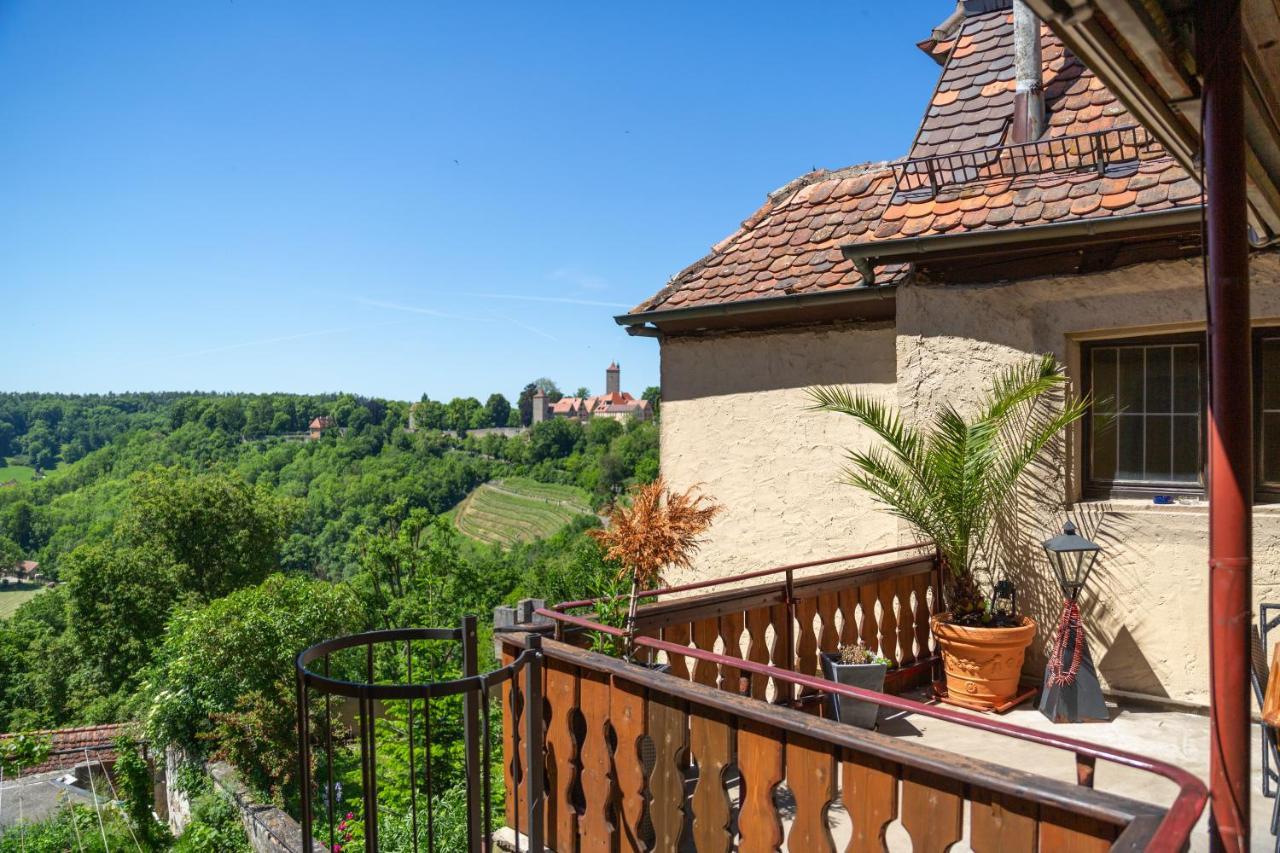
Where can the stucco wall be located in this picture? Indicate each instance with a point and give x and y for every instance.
(1147, 604)
(734, 420)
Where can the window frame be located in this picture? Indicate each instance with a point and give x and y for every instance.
(1262, 492)
(1095, 488)
(1102, 489)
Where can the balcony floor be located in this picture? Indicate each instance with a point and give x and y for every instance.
(1178, 738)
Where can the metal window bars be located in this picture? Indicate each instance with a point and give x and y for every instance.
(922, 177)
(394, 651)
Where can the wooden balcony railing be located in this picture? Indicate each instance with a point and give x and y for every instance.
(623, 743)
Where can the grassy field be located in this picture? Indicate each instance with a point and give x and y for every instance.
(518, 510)
(21, 473)
(12, 595)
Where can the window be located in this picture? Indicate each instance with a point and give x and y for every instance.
(1146, 425)
(1266, 348)
(1145, 432)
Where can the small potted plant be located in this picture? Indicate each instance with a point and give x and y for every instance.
(658, 529)
(951, 479)
(855, 666)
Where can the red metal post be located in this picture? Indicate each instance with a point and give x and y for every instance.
(1230, 426)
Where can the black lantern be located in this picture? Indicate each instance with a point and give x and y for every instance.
(1004, 602)
(1071, 692)
(1072, 557)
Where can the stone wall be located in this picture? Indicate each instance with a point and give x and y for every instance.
(269, 829)
(734, 420)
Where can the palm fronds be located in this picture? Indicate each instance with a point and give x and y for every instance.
(950, 478)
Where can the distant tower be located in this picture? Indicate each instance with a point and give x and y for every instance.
(613, 379)
(539, 406)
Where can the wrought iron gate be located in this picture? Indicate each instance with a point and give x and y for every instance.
(347, 675)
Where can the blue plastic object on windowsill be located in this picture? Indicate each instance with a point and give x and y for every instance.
(1163, 500)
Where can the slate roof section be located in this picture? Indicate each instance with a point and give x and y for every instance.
(791, 245)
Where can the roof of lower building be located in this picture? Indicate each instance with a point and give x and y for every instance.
(68, 747)
(961, 175)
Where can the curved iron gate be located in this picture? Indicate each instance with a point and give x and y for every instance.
(386, 650)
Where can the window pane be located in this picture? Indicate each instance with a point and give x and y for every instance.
(1186, 449)
(1129, 382)
(1186, 378)
(1104, 379)
(1270, 355)
(1159, 439)
(1269, 441)
(1159, 379)
(1103, 445)
(1129, 458)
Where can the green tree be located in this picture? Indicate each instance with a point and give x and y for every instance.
(553, 439)
(583, 391)
(525, 403)
(654, 395)
(119, 601)
(217, 532)
(499, 409)
(225, 676)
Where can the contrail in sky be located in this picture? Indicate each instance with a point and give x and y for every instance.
(276, 340)
(567, 300)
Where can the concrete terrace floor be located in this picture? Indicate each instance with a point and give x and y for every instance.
(1181, 739)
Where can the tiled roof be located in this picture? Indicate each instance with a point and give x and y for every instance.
(792, 244)
(68, 747)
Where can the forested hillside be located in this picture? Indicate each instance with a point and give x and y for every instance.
(199, 541)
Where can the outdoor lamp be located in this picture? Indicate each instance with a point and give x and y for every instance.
(1071, 691)
(1072, 557)
(1004, 599)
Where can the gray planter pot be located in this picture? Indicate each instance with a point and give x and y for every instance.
(868, 676)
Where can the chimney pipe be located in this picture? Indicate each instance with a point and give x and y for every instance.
(1028, 96)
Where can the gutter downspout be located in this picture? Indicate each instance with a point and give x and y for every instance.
(1230, 426)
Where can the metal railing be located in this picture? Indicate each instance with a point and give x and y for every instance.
(474, 689)
(1095, 150)
(1170, 834)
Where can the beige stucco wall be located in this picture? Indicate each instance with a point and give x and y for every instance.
(1147, 604)
(734, 419)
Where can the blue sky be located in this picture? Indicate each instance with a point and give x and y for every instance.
(397, 198)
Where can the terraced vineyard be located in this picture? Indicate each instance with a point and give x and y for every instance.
(518, 510)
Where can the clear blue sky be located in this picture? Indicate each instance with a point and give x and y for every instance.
(397, 198)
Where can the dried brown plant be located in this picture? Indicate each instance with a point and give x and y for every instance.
(660, 529)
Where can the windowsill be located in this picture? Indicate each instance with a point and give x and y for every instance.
(1192, 506)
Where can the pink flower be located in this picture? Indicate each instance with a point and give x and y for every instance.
(350, 816)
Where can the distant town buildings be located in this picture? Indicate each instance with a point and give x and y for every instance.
(318, 426)
(613, 403)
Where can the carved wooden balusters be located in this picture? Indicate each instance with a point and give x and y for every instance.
(561, 694)
(627, 715)
(812, 779)
(760, 763)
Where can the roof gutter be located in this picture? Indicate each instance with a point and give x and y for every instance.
(867, 256)
(636, 324)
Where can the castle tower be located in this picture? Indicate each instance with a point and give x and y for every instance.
(540, 412)
(613, 379)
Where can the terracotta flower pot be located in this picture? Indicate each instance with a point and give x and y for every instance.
(982, 664)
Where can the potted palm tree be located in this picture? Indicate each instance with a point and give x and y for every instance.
(950, 479)
(657, 530)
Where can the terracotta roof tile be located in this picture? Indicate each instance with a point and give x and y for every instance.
(791, 244)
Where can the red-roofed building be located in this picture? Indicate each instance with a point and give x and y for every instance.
(318, 426)
(614, 403)
(1032, 212)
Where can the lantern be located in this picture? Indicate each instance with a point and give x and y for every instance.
(1072, 557)
(1071, 691)
(1004, 601)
